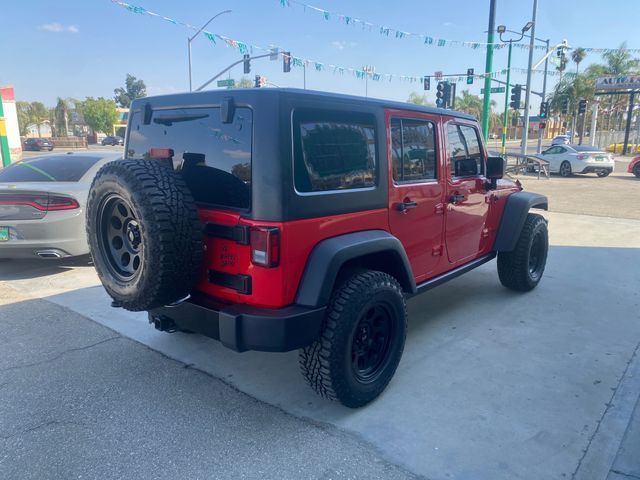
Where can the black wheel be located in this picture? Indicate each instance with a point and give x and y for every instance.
(565, 169)
(362, 340)
(636, 170)
(603, 173)
(522, 268)
(144, 234)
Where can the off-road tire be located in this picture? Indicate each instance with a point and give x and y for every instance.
(327, 364)
(566, 171)
(169, 232)
(515, 268)
(636, 170)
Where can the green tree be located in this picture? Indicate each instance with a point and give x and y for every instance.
(415, 97)
(134, 88)
(39, 114)
(24, 116)
(620, 62)
(578, 55)
(61, 117)
(243, 83)
(100, 114)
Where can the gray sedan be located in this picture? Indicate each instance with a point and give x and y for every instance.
(42, 204)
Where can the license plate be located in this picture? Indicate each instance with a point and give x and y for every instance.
(600, 158)
(4, 234)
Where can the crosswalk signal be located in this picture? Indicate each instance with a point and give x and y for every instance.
(286, 62)
(582, 106)
(440, 102)
(544, 106)
(247, 63)
(427, 83)
(448, 91)
(564, 106)
(516, 93)
(469, 76)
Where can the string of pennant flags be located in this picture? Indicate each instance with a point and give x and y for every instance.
(359, 73)
(426, 39)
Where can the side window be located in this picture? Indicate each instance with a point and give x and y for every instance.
(465, 151)
(560, 150)
(413, 150)
(334, 152)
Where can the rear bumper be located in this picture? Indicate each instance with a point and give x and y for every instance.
(241, 327)
(597, 168)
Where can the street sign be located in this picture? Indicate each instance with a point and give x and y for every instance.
(620, 82)
(230, 82)
(494, 90)
(438, 75)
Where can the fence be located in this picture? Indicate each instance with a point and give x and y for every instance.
(70, 142)
(602, 140)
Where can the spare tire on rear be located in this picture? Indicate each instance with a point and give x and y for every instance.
(144, 233)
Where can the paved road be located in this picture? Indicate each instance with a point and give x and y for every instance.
(493, 384)
(78, 400)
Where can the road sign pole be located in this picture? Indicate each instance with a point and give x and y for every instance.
(486, 106)
(505, 120)
(527, 96)
(544, 97)
(4, 143)
(628, 127)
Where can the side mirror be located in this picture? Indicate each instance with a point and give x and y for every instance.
(227, 110)
(495, 168)
(466, 167)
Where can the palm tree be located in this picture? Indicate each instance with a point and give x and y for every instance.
(469, 103)
(620, 62)
(578, 56)
(418, 99)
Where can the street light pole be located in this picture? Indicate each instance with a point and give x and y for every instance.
(486, 105)
(527, 96)
(544, 97)
(505, 122)
(189, 40)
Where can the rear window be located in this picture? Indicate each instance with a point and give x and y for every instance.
(52, 168)
(214, 157)
(334, 151)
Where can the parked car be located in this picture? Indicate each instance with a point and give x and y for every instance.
(634, 167)
(278, 219)
(561, 140)
(42, 204)
(37, 144)
(569, 159)
(113, 140)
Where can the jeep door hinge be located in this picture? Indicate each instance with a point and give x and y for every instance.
(439, 210)
(436, 251)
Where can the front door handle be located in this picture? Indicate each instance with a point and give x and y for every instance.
(404, 206)
(457, 198)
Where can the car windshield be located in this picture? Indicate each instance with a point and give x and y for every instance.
(52, 168)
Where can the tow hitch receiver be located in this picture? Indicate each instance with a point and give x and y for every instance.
(162, 323)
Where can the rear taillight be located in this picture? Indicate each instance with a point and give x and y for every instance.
(583, 156)
(42, 202)
(265, 246)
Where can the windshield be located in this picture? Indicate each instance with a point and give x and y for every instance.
(214, 157)
(52, 168)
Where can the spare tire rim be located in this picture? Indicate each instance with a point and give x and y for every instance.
(371, 342)
(120, 237)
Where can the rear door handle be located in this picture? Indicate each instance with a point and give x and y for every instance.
(404, 206)
(456, 198)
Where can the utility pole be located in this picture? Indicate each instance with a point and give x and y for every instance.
(189, 40)
(527, 96)
(4, 142)
(594, 122)
(486, 105)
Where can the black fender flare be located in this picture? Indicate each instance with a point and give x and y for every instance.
(328, 256)
(513, 218)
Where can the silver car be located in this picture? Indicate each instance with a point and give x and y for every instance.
(42, 204)
(569, 159)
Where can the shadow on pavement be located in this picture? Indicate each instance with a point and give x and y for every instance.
(27, 269)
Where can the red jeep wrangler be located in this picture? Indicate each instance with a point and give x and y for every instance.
(278, 219)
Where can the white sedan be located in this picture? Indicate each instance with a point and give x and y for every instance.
(569, 159)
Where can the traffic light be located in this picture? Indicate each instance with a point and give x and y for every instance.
(582, 106)
(516, 93)
(564, 106)
(247, 63)
(544, 106)
(427, 83)
(542, 125)
(286, 62)
(469, 76)
(440, 102)
(258, 82)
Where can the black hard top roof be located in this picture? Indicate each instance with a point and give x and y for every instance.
(198, 97)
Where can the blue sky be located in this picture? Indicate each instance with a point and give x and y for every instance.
(79, 48)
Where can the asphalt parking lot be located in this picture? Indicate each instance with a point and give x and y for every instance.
(492, 385)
